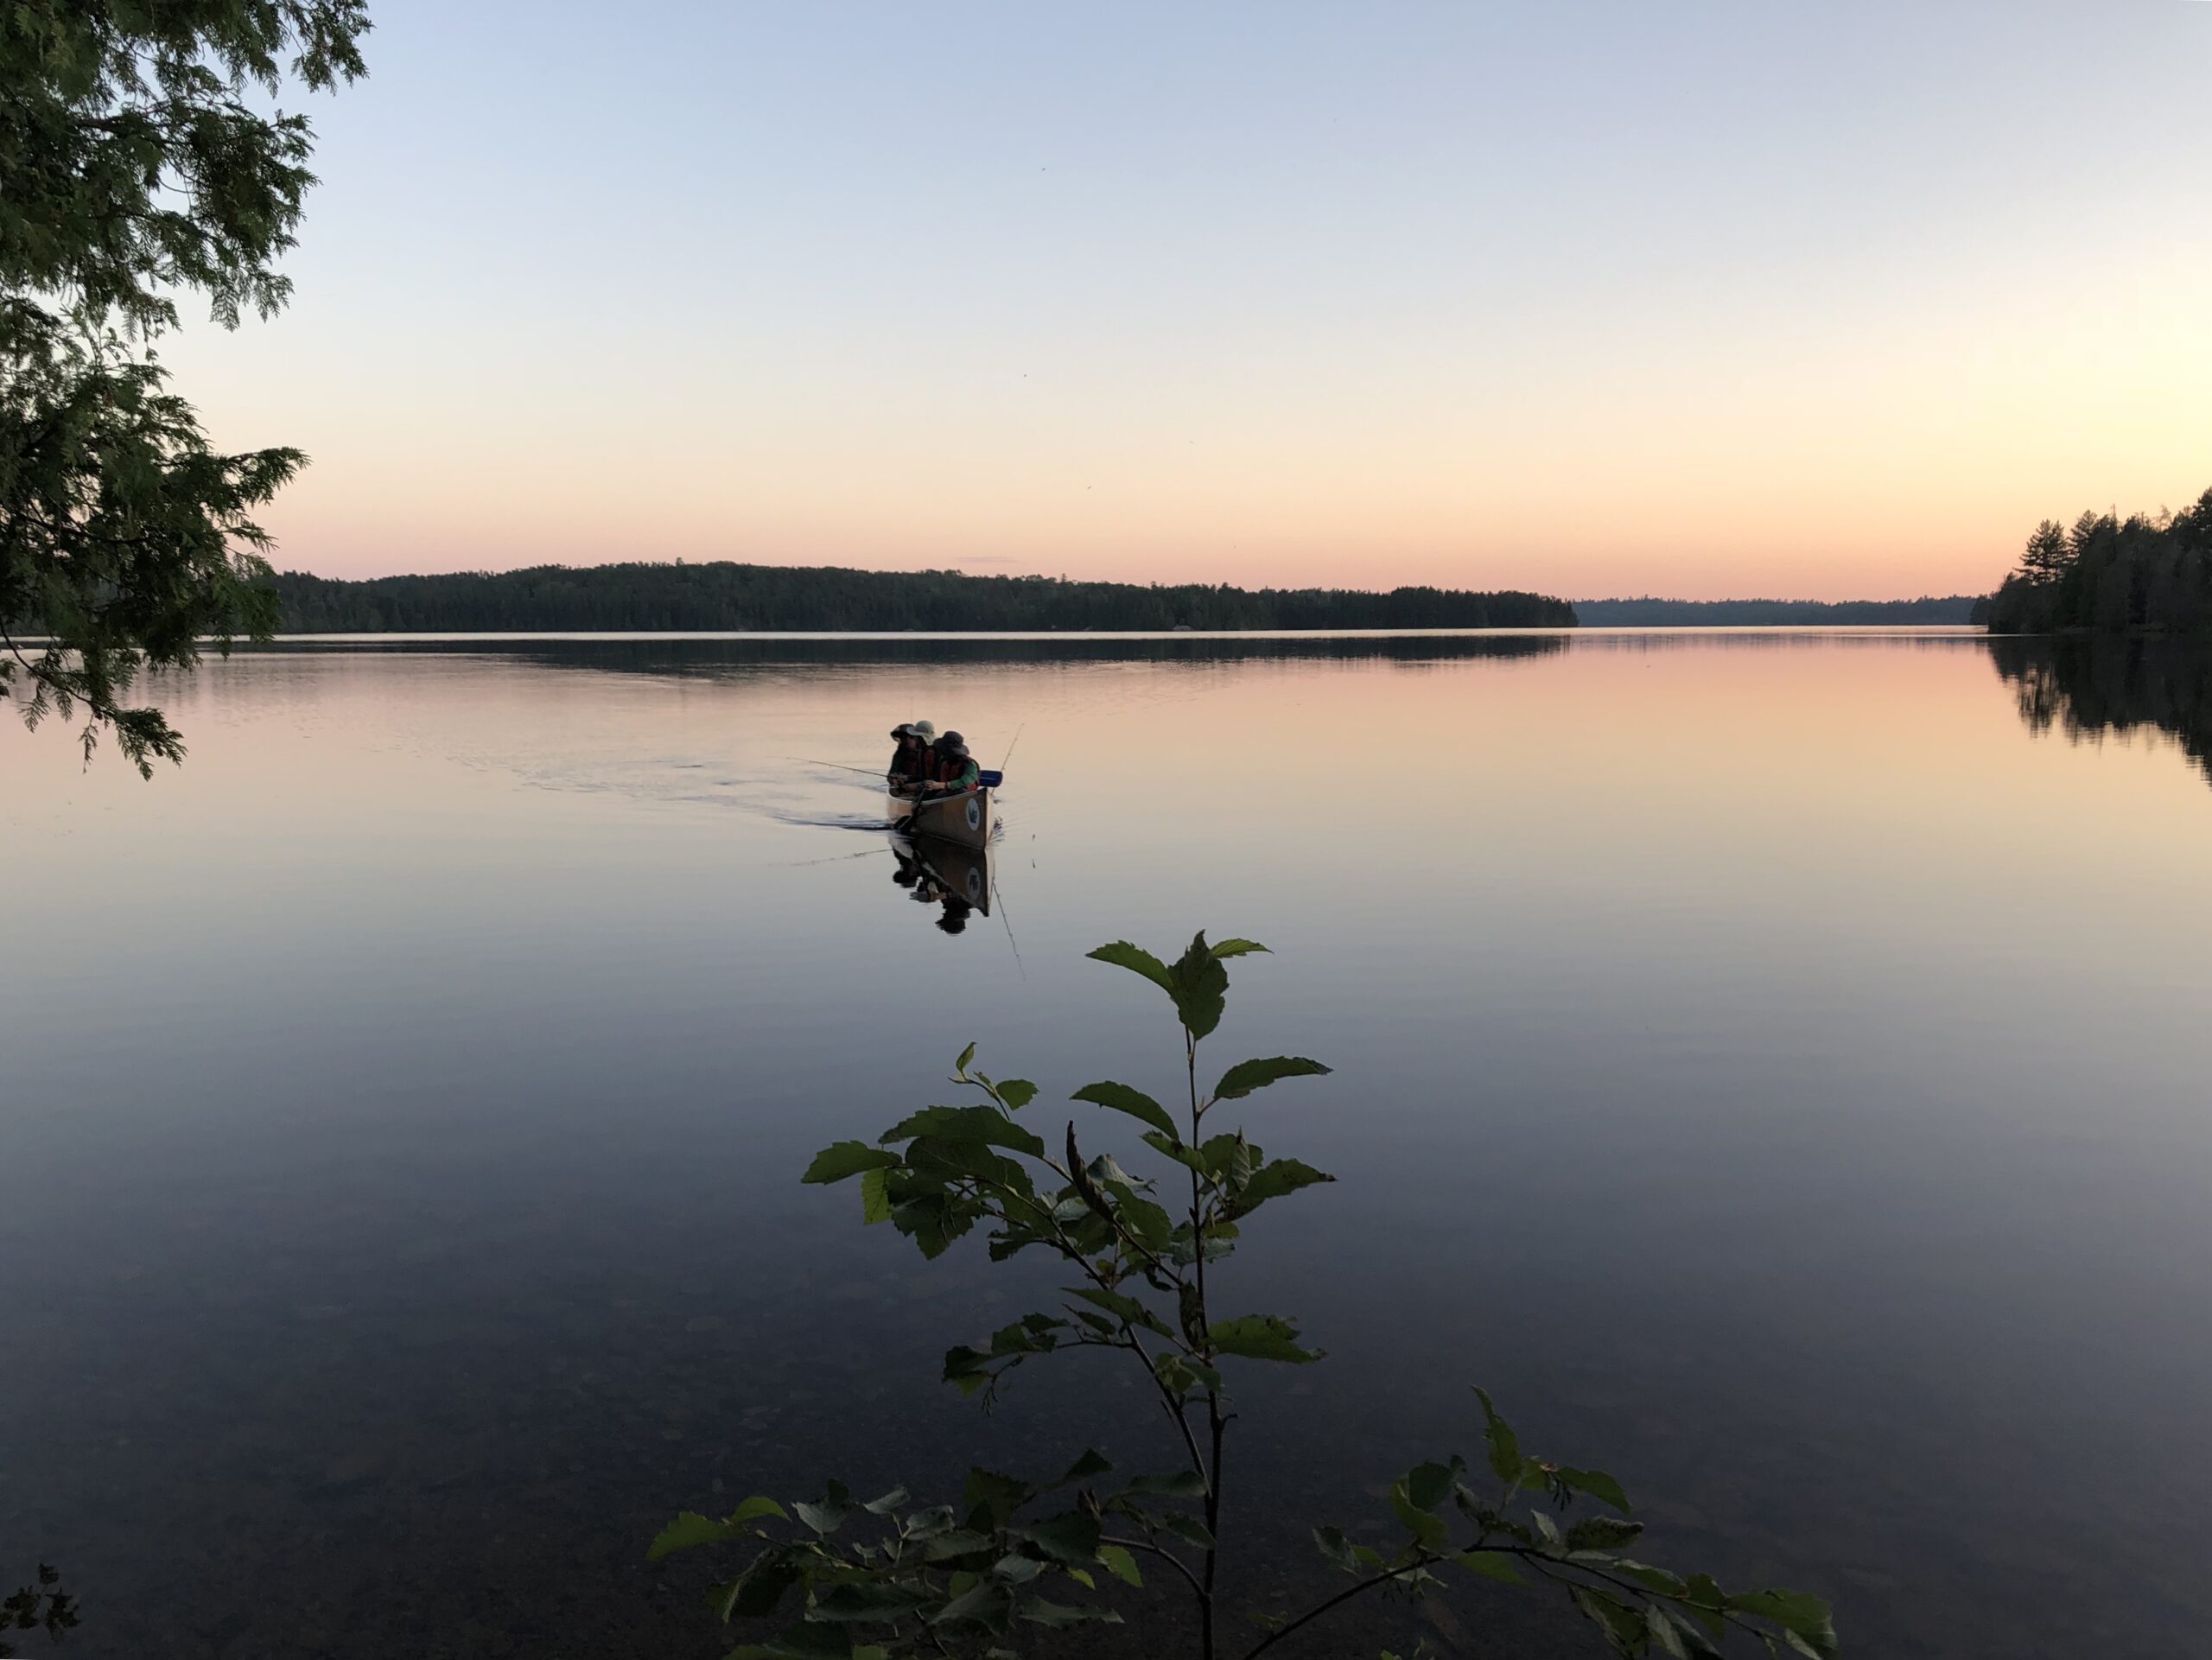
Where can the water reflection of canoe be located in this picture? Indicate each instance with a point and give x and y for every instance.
(945, 873)
(963, 820)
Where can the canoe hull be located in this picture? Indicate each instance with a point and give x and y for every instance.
(965, 820)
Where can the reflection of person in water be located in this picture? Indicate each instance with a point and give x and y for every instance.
(925, 886)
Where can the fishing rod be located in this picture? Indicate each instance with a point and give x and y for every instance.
(866, 772)
(1006, 920)
(1009, 749)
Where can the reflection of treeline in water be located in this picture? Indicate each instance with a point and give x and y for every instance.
(725, 597)
(2086, 688)
(2111, 575)
(1772, 614)
(647, 655)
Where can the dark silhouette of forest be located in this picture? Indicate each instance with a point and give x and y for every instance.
(2088, 686)
(1770, 614)
(783, 598)
(2111, 575)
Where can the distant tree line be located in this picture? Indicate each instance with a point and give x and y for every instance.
(2111, 575)
(779, 598)
(1770, 613)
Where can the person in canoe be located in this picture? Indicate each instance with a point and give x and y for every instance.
(914, 761)
(954, 771)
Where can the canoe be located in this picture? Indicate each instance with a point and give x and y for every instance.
(963, 820)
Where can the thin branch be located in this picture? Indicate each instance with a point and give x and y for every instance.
(1163, 1554)
(1315, 1613)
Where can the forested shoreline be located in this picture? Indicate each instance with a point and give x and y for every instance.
(744, 598)
(1649, 612)
(2110, 576)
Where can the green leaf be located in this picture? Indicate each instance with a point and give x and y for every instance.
(1652, 1579)
(1184, 1376)
(1247, 1076)
(875, 1197)
(1601, 1533)
(1492, 1566)
(1122, 955)
(1671, 1638)
(687, 1530)
(1229, 948)
(960, 1542)
(1148, 1224)
(1597, 1485)
(999, 1496)
(928, 1525)
(1135, 1103)
(1121, 1564)
(888, 1503)
(968, 1054)
(1624, 1626)
(1428, 1486)
(827, 1516)
(1174, 1147)
(1092, 1463)
(1175, 1484)
(1127, 1307)
(1805, 1618)
(863, 1601)
(1017, 1093)
(1276, 1178)
(1201, 987)
(965, 1369)
(1504, 1447)
(1070, 1538)
(1057, 1616)
(1336, 1548)
(1259, 1337)
(984, 1600)
(692, 1529)
(844, 1159)
(986, 1125)
(1031, 1335)
(756, 1592)
(1427, 1528)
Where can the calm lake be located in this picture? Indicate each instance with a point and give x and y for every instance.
(1771, 1065)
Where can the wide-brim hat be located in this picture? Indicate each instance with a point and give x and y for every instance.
(923, 728)
(953, 742)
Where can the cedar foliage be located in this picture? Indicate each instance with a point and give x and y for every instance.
(133, 168)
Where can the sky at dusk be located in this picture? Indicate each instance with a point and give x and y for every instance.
(1693, 297)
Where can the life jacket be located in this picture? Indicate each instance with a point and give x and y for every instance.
(913, 758)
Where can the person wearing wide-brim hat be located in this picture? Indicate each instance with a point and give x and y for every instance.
(913, 761)
(955, 770)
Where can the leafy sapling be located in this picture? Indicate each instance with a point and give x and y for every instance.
(868, 1582)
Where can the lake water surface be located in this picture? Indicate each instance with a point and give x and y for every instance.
(1773, 1067)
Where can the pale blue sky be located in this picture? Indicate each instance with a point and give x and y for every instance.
(1680, 295)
